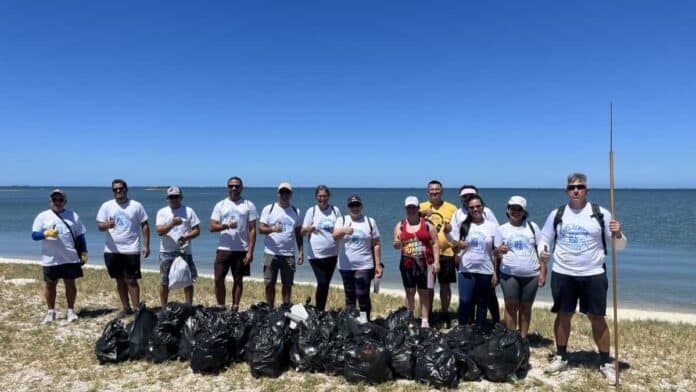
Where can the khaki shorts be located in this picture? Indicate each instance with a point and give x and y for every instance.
(274, 263)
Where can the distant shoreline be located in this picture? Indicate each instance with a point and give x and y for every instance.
(4, 188)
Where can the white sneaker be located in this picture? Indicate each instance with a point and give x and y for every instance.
(49, 318)
(609, 372)
(71, 316)
(557, 365)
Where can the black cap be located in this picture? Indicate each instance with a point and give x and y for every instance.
(354, 198)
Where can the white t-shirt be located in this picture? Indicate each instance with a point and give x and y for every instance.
(478, 255)
(355, 250)
(321, 242)
(244, 212)
(189, 220)
(460, 216)
(521, 258)
(282, 243)
(578, 250)
(60, 250)
(124, 237)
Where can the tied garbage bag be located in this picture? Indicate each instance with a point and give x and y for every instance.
(188, 338)
(399, 318)
(437, 366)
(208, 340)
(502, 354)
(164, 341)
(179, 274)
(113, 344)
(465, 338)
(210, 352)
(267, 352)
(139, 332)
(368, 362)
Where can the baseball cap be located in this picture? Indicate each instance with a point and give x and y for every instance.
(518, 201)
(467, 191)
(411, 201)
(285, 185)
(173, 191)
(57, 191)
(354, 198)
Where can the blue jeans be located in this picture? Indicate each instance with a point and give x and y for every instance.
(474, 290)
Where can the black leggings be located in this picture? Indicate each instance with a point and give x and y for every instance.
(323, 271)
(356, 285)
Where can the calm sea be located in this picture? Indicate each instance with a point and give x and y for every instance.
(656, 271)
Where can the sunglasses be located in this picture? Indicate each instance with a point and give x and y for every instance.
(234, 186)
(173, 197)
(58, 200)
(354, 205)
(476, 207)
(117, 190)
(580, 187)
(515, 208)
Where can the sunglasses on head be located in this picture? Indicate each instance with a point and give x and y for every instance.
(578, 187)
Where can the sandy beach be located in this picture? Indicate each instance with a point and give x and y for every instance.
(623, 313)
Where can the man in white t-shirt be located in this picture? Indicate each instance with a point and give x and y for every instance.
(281, 224)
(121, 220)
(63, 251)
(234, 217)
(176, 225)
(581, 232)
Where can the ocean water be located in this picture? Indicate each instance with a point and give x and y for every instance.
(656, 271)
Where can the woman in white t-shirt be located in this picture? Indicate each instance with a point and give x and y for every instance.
(359, 255)
(477, 273)
(522, 271)
(322, 252)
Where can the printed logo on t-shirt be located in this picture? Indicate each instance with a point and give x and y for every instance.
(477, 243)
(326, 223)
(517, 242)
(121, 222)
(358, 236)
(287, 222)
(574, 237)
(413, 247)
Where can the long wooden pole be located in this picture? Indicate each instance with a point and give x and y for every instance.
(613, 242)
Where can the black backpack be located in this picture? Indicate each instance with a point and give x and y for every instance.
(596, 213)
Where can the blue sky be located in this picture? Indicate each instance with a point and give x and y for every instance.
(359, 93)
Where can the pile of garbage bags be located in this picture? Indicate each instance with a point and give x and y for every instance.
(309, 340)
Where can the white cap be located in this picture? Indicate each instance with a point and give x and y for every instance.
(173, 191)
(411, 201)
(467, 191)
(518, 201)
(285, 185)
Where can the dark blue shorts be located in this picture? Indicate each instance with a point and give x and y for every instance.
(591, 291)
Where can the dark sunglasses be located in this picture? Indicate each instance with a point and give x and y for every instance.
(580, 187)
(476, 207)
(354, 205)
(234, 186)
(284, 191)
(58, 200)
(116, 190)
(173, 197)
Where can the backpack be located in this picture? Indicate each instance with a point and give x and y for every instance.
(596, 213)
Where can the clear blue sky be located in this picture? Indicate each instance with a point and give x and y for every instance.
(358, 93)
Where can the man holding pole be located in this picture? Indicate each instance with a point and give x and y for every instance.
(580, 231)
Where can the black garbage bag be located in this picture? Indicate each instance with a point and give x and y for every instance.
(113, 344)
(465, 338)
(502, 354)
(312, 341)
(210, 352)
(267, 352)
(367, 361)
(399, 318)
(437, 366)
(467, 368)
(139, 332)
(402, 345)
(188, 338)
(164, 341)
(428, 337)
(239, 329)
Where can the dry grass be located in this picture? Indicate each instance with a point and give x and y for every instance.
(655, 355)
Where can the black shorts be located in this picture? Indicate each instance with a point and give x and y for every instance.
(448, 270)
(590, 290)
(123, 266)
(62, 271)
(415, 276)
(226, 260)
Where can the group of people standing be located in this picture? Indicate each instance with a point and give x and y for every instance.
(438, 241)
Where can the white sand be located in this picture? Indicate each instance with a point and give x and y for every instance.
(623, 313)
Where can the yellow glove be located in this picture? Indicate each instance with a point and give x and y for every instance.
(84, 257)
(51, 233)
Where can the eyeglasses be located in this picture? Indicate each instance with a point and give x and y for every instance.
(476, 207)
(234, 186)
(579, 187)
(117, 190)
(58, 200)
(354, 205)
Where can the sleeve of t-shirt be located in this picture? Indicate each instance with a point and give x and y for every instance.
(375, 229)
(78, 227)
(217, 213)
(264, 215)
(38, 224)
(194, 218)
(453, 235)
(160, 217)
(298, 221)
(548, 232)
(143, 214)
(102, 214)
(253, 214)
(498, 237)
(308, 217)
